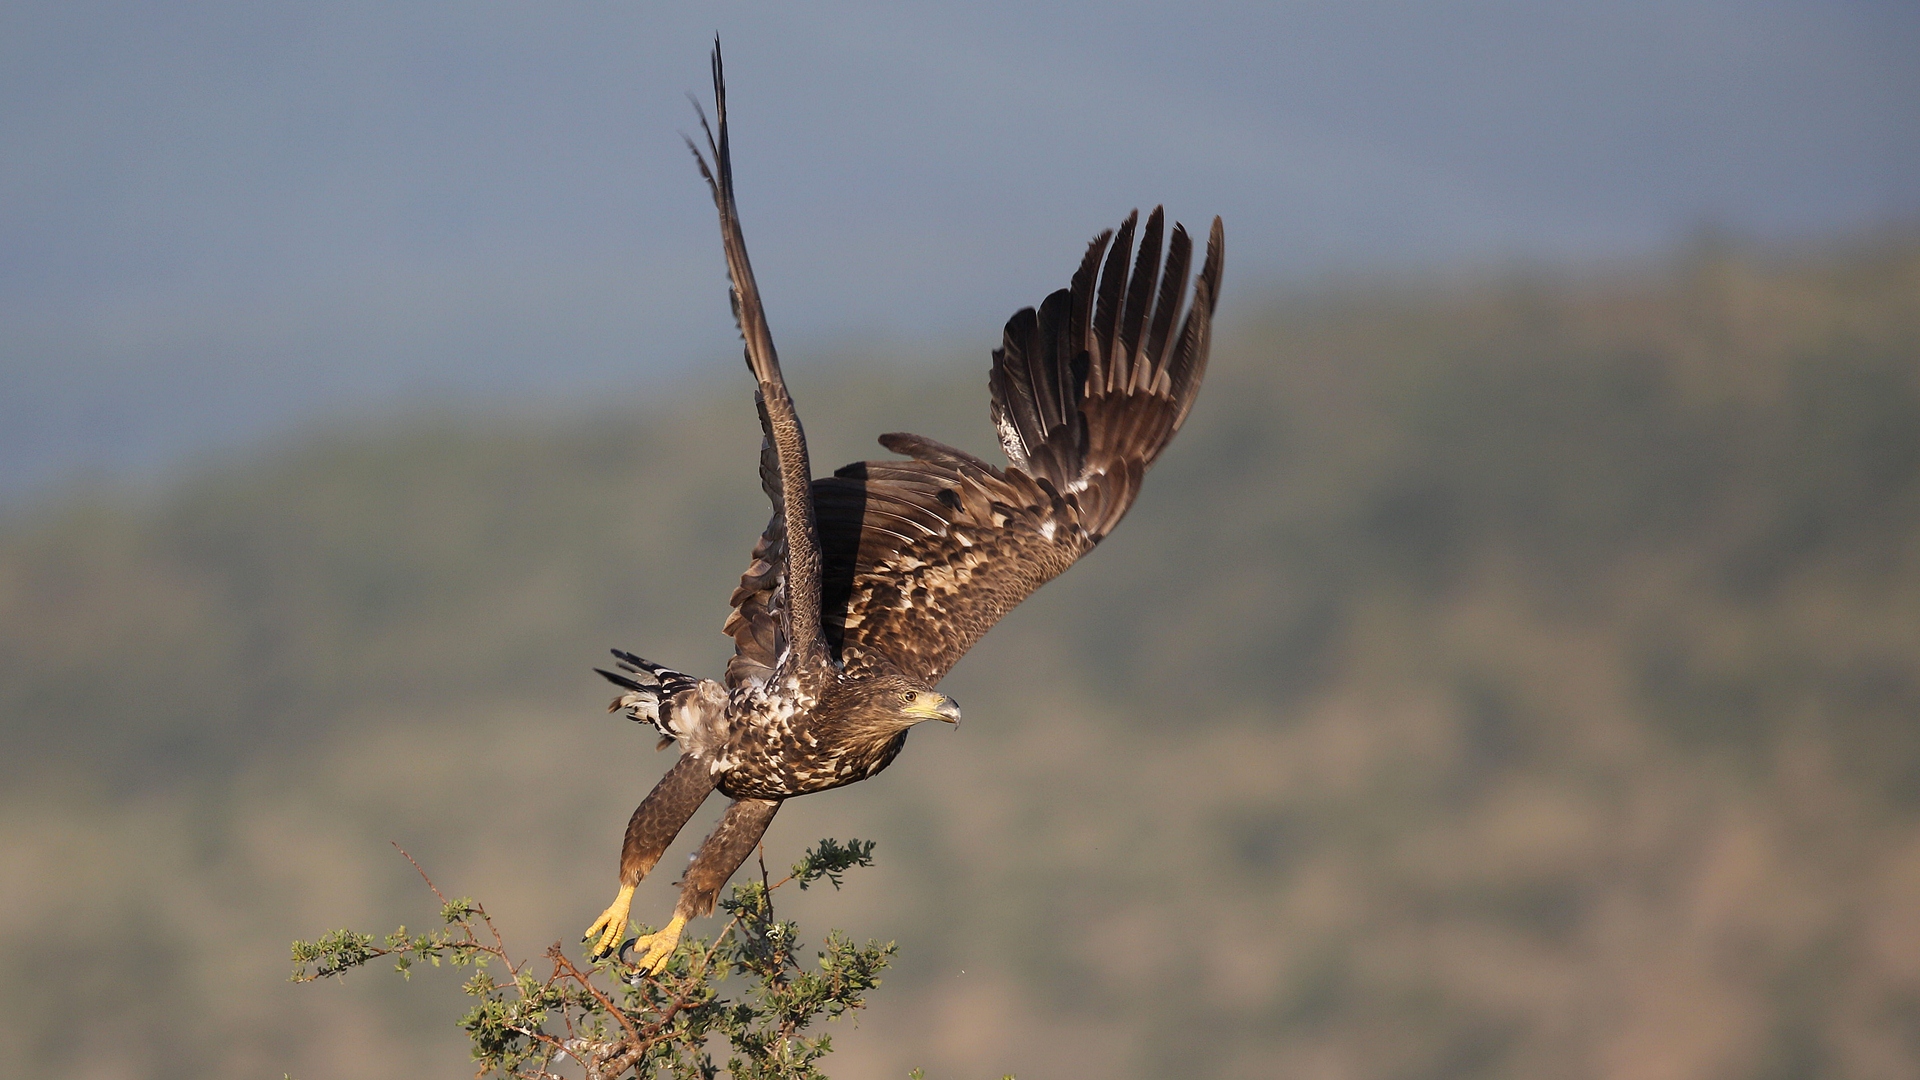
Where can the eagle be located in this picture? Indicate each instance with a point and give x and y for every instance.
(869, 585)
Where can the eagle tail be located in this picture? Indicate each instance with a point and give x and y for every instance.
(657, 695)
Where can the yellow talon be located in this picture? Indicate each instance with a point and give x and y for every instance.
(611, 925)
(656, 949)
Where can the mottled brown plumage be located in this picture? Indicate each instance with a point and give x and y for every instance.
(869, 585)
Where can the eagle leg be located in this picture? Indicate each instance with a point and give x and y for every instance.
(657, 820)
(731, 841)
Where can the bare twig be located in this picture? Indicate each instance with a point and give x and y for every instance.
(560, 961)
(501, 946)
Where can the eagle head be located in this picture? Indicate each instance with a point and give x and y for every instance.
(894, 702)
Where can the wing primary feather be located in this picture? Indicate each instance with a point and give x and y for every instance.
(1016, 368)
(1146, 270)
(1190, 363)
(1084, 281)
(1052, 366)
(1173, 284)
(1005, 425)
(1036, 368)
(1107, 312)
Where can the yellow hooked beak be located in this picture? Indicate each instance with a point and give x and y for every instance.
(935, 707)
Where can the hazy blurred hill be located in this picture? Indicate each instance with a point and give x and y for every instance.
(1514, 678)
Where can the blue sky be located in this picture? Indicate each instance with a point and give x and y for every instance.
(221, 220)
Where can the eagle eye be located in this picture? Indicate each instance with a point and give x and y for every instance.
(907, 697)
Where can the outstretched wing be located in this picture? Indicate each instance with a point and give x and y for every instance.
(921, 557)
(787, 630)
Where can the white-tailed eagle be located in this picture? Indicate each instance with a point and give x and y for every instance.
(868, 585)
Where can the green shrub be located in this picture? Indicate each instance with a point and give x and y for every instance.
(609, 1017)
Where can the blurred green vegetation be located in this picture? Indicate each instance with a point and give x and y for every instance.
(1509, 677)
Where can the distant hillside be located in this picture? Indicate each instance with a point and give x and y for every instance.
(1515, 679)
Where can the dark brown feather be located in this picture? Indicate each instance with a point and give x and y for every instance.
(1146, 271)
(1187, 369)
(724, 849)
(1106, 315)
(1081, 289)
(921, 557)
(660, 817)
(1172, 284)
(796, 605)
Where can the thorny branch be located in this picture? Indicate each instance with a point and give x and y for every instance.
(649, 1026)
